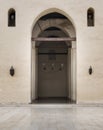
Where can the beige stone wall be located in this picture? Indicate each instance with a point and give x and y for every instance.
(15, 47)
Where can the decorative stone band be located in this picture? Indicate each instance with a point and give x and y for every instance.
(54, 39)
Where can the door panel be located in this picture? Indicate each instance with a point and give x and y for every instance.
(52, 76)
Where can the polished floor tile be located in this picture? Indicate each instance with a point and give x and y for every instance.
(51, 118)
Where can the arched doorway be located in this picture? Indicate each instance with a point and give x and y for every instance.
(53, 59)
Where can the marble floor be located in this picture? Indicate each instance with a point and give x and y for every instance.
(51, 117)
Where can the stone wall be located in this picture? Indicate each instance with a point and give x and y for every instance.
(15, 47)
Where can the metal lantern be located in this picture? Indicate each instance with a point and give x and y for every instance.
(90, 70)
(12, 71)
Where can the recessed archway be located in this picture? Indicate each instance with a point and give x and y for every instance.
(53, 62)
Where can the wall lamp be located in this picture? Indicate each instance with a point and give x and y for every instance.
(90, 70)
(12, 71)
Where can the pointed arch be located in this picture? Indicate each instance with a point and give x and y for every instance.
(55, 18)
(51, 10)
